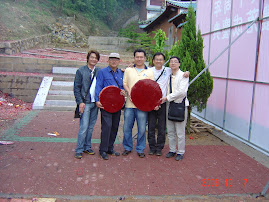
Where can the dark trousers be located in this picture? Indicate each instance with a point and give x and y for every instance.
(157, 117)
(109, 129)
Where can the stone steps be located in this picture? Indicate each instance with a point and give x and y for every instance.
(57, 91)
(60, 95)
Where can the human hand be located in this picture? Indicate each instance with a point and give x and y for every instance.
(81, 107)
(122, 92)
(186, 74)
(99, 105)
(163, 100)
(157, 107)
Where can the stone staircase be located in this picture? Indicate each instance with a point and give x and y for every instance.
(56, 92)
(61, 96)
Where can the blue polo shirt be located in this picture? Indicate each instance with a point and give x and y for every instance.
(105, 78)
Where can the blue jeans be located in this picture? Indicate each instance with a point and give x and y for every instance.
(86, 124)
(130, 114)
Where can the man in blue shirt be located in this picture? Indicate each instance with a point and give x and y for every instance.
(108, 76)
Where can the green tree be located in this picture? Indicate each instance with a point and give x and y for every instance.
(190, 52)
(160, 39)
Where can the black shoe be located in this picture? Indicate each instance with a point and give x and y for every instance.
(113, 153)
(104, 155)
(78, 155)
(89, 151)
(159, 153)
(141, 155)
(151, 152)
(170, 154)
(179, 157)
(126, 152)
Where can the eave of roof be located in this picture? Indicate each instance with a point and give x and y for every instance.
(181, 24)
(182, 4)
(177, 16)
(169, 3)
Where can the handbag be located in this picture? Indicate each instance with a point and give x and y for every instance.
(123, 107)
(77, 114)
(176, 111)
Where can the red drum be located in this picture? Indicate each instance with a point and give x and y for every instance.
(146, 94)
(111, 99)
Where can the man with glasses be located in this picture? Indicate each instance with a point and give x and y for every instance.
(84, 91)
(176, 130)
(158, 115)
(109, 76)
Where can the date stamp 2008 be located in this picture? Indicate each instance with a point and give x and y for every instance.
(216, 182)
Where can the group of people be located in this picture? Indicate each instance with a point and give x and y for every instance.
(89, 82)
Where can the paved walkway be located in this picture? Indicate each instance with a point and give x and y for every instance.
(38, 165)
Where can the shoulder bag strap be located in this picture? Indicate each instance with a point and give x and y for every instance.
(160, 75)
(171, 83)
(115, 79)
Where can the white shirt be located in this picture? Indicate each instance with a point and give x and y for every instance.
(179, 89)
(92, 89)
(163, 80)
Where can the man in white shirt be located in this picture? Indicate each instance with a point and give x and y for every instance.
(158, 116)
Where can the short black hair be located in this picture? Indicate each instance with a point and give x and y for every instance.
(140, 51)
(158, 53)
(175, 57)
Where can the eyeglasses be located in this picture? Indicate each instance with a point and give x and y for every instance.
(173, 62)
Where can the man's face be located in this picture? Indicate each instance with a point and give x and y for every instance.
(174, 64)
(113, 62)
(92, 59)
(158, 61)
(139, 58)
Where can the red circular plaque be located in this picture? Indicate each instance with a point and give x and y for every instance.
(146, 94)
(111, 99)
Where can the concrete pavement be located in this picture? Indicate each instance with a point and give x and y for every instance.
(42, 166)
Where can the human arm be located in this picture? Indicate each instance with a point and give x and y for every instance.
(125, 84)
(99, 85)
(77, 91)
(180, 89)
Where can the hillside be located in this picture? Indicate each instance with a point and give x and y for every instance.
(21, 19)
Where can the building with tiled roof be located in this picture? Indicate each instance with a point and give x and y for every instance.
(170, 20)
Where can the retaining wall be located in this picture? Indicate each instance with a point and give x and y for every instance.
(26, 87)
(21, 87)
(108, 43)
(13, 47)
(34, 65)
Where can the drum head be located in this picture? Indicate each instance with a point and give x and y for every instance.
(111, 99)
(146, 94)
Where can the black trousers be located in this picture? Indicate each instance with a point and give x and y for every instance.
(157, 118)
(109, 129)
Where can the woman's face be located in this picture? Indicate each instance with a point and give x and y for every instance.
(174, 64)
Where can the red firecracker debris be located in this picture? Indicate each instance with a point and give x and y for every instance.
(11, 108)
